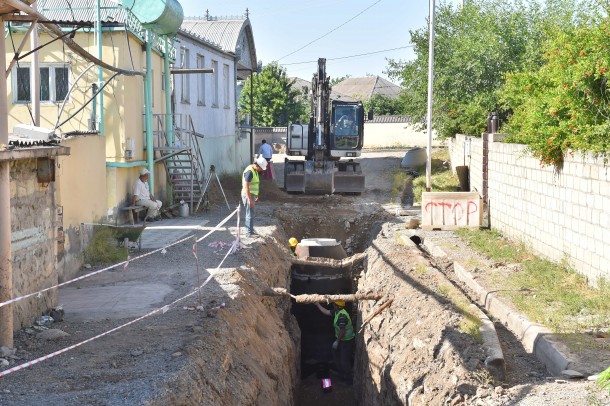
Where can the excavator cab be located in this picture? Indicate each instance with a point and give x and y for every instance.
(346, 129)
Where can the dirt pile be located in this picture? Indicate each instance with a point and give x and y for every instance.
(413, 352)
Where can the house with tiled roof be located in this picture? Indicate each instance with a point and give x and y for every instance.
(363, 88)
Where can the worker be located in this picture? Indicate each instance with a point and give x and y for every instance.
(249, 191)
(292, 244)
(141, 196)
(266, 151)
(344, 344)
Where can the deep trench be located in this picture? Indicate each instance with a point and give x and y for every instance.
(353, 234)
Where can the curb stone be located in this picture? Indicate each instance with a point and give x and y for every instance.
(536, 338)
(494, 362)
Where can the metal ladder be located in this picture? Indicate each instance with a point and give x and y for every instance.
(184, 164)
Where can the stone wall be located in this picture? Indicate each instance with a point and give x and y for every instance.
(561, 215)
(33, 243)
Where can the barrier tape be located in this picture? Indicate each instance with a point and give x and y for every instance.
(163, 310)
(124, 263)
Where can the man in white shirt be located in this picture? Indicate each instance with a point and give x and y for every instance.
(266, 151)
(141, 196)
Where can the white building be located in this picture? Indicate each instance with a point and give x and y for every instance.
(210, 99)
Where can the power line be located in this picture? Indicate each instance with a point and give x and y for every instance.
(351, 56)
(329, 32)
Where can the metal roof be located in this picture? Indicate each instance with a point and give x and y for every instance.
(364, 87)
(224, 33)
(390, 120)
(81, 10)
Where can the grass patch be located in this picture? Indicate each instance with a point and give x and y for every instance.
(103, 248)
(442, 179)
(547, 292)
(470, 323)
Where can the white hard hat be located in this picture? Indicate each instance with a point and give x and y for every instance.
(262, 162)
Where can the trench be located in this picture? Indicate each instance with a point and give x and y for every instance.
(345, 233)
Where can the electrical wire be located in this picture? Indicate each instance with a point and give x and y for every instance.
(90, 100)
(351, 56)
(329, 32)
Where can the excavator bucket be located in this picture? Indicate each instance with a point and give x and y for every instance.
(348, 178)
(307, 177)
(319, 178)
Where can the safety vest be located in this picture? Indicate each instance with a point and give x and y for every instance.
(253, 184)
(349, 328)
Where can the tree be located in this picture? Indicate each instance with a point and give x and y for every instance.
(384, 105)
(564, 105)
(475, 47)
(276, 101)
(334, 81)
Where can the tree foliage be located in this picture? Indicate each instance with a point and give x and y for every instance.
(475, 47)
(564, 105)
(383, 105)
(275, 100)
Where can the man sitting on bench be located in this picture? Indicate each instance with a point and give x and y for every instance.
(142, 196)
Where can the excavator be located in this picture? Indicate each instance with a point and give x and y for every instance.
(335, 131)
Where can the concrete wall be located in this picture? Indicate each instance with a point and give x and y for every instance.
(395, 135)
(563, 215)
(79, 199)
(33, 242)
(228, 154)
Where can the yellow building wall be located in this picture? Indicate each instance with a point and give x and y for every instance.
(123, 104)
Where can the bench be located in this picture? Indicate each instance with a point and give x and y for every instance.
(134, 212)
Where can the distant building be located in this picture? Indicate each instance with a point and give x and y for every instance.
(365, 87)
(304, 86)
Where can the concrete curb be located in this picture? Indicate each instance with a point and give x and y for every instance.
(536, 338)
(494, 362)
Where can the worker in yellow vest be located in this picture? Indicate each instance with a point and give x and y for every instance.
(344, 344)
(249, 191)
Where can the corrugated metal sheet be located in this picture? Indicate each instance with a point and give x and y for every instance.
(81, 10)
(390, 120)
(365, 87)
(224, 33)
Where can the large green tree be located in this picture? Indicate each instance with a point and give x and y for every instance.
(384, 105)
(275, 100)
(475, 47)
(564, 105)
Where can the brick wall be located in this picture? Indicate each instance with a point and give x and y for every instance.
(561, 216)
(33, 241)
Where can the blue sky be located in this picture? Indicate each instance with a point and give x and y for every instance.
(281, 27)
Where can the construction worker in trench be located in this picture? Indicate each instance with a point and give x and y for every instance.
(344, 344)
(292, 244)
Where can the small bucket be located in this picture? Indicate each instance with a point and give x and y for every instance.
(184, 210)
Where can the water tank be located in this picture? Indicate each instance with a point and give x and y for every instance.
(160, 16)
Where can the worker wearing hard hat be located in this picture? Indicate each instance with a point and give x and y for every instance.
(249, 191)
(292, 244)
(344, 344)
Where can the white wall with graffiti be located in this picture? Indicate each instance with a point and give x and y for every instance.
(560, 215)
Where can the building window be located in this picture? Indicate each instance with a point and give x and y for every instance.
(215, 84)
(200, 81)
(54, 83)
(186, 86)
(226, 82)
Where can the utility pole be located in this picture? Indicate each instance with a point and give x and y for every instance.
(35, 72)
(430, 82)
(6, 271)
